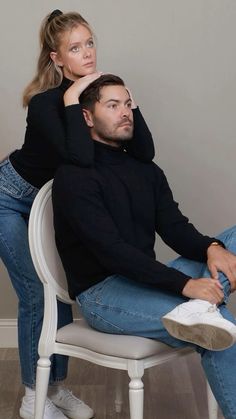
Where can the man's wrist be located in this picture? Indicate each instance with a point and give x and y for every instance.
(216, 243)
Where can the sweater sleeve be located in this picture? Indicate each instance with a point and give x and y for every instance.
(66, 130)
(91, 222)
(62, 127)
(175, 229)
(141, 146)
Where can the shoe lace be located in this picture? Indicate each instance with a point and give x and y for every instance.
(213, 308)
(50, 406)
(69, 398)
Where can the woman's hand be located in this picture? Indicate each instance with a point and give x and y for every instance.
(71, 96)
(133, 104)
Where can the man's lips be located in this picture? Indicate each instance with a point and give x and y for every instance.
(125, 124)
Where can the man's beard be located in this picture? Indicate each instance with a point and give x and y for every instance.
(115, 135)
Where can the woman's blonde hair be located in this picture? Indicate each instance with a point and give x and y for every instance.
(48, 74)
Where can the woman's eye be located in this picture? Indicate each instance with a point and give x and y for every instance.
(75, 49)
(90, 44)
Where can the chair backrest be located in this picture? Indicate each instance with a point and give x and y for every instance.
(42, 244)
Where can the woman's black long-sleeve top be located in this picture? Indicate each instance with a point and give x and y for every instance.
(56, 134)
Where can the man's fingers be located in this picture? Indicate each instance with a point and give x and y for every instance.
(213, 271)
(217, 283)
(231, 275)
(204, 288)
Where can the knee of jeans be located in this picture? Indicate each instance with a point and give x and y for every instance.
(28, 304)
(227, 236)
(27, 310)
(31, 296)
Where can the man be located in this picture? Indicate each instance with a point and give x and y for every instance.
(105, 222)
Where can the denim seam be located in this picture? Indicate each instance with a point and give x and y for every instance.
(118, 309)
(229, 405)
(27, 285)
(98, 316)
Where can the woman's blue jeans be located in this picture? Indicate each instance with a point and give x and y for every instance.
(16, 198)
(122, 306)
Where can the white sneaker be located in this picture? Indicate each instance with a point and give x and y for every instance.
(70, 405)
(50, 412)
(200, 322)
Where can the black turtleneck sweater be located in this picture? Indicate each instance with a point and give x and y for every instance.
(106, 218)
(56, 134)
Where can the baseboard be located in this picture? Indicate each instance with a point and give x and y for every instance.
(8, 333)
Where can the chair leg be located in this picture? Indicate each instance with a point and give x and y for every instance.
(42, 379)
(119, 398)
(212, 403)
(136, 389)
(136, 395)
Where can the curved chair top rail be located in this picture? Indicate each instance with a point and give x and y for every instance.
(42, 244)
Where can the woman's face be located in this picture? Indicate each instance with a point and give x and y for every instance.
(77, 53)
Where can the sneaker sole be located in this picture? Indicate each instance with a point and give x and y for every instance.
(209, 337)
(25, 415)
(74, 416)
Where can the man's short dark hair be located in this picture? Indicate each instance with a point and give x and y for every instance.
(91, 94)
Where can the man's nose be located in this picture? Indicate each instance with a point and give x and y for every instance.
(125, 112)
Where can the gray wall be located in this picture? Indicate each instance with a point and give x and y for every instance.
(178, 57)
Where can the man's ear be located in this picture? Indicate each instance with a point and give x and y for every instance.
(56, 58)
(88, 117)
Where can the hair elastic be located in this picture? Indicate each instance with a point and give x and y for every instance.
(54, 14)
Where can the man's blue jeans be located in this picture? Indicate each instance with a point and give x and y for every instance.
(16, 198)
(122, 306)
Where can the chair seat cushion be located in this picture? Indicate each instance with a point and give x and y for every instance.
(79, 333)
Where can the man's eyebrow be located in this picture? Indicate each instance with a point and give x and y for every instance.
(112, 100)
(117, 100)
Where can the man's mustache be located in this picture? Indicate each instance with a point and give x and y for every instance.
(126, 121)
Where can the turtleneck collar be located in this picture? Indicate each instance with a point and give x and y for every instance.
(66, 83)
(109, 154)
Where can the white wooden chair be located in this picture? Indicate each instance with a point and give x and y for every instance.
(133, 354)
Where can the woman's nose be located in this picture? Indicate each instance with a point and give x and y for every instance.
(87, 52)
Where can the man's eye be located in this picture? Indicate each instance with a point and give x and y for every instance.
(113, 106)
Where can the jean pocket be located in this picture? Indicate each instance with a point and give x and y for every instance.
(12, 184)
(14, 190)
(96, 292)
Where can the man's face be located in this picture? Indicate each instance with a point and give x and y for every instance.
(112, 118)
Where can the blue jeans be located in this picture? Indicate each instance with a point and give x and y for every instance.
(122, 306)
(16, 198)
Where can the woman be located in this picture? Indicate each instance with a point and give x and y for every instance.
(66, 66)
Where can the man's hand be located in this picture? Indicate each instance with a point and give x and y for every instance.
(221, 260)
(205, 289)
